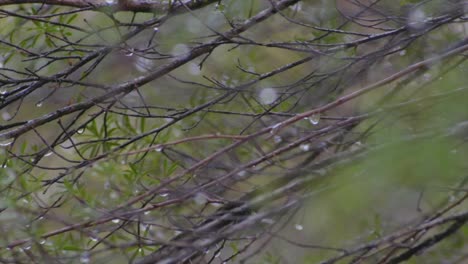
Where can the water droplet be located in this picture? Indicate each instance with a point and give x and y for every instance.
(147, 212)
(242, 173)
(3, 91)
(110, 1)
(277, 139)
(159, 148)
(6, 143)
(194, 69)
(274, 128)
(39, 104)
(427, 76)
(268, 95)
(402, 53)
(179, 49)
(452, 198)
(42, 241)
(156, 29)
(416, 18)
(27, 246)
(305, 147)
(164, 194)
(200, 199)
(80, 131)
(217, 255)
(114, 195)
(129, 52)
(85, 257)
(6, 116)
(94, 239)
(268, 221)
(48, 154)
(314, 119)
(143, 64)
(298, 227)
(115, 220)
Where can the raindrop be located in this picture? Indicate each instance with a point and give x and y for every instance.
(402, 53)
(159, 148)
(3, 91)
(39, 104)
(416, 18)
(129, 53)
(114, 195)
(275, 128)
(242, 173)
(217, 255)
(6, 116)
(156, 29)
(94, 239)
(164, 194)
(115, 220)
(143, 64)
(110, 1)
(85, 257)
(199, 198)
(42, 241)
(268, 221)
(80, 131)
(297, 6)
(6, 143)
(179, 49)
(427, 76)
(268, 95)
(194, 69)
(305, 147)
(147, 213)
(277, 139)
(27, 246)
(48, 154)
(298, 227)
(314, 119)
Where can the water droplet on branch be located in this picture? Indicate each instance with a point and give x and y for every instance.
(314, 119)
(305, 147)
(268, 95)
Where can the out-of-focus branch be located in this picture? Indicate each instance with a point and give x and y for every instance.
(134, 6)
